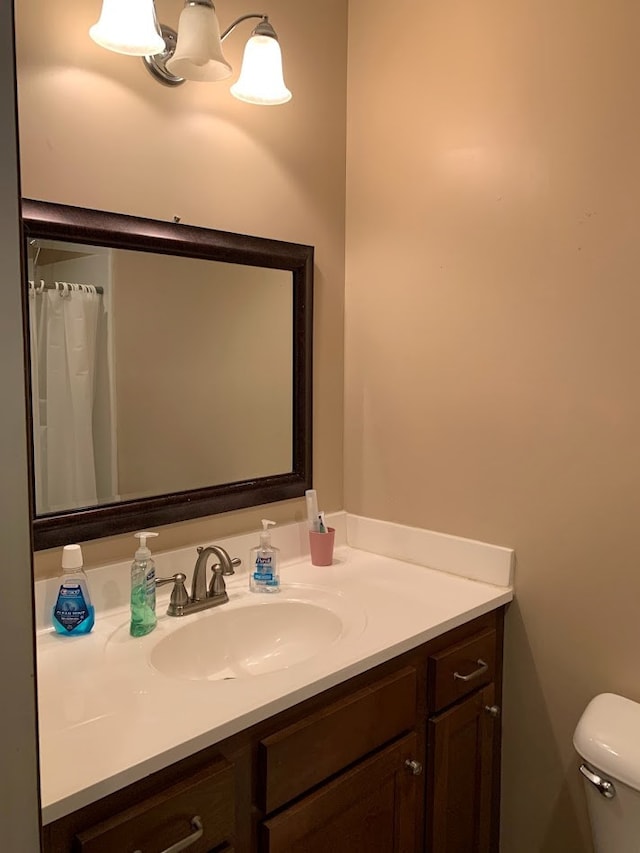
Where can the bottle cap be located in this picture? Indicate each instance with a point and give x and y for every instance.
(72, 557)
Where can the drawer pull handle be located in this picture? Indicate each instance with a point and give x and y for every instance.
(414, 766)
(196, 835)
(482, 668)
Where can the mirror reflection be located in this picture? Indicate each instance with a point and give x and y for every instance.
(153, 374)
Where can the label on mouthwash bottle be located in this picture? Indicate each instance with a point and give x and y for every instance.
(70, 608)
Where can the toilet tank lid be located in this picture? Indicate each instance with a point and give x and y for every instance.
(608, 737)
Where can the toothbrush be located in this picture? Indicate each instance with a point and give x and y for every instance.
(322, 527)
(312, 509)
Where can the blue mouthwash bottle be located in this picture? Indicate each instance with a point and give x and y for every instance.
(73, 612)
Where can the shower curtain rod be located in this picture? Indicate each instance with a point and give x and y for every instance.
(32, 286)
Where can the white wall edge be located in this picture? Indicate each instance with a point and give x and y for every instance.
(469, 558)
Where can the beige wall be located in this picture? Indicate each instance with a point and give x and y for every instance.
(97, 131)
(202, 371)
(492, 356)
(492, 365)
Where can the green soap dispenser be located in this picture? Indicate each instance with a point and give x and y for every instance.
(263, 563)
(143, 589)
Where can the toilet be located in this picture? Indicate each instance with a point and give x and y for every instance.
(607, 738)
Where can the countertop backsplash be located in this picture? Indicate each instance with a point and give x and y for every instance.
(109, 585)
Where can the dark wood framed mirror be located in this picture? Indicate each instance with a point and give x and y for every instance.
(170, 371)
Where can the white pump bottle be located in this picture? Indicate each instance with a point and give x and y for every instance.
(263, 563)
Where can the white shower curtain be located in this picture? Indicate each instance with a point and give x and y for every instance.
(64, 326)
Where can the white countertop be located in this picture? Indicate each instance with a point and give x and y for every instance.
(108, 718)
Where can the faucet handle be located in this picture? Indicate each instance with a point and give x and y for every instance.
(179, 594)
(234, 565)
(217, 585)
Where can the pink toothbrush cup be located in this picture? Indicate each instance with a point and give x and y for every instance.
(321, 547)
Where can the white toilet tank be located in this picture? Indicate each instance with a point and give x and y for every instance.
(608, 739)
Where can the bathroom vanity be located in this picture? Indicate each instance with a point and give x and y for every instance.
(389, 740)
(373, 764)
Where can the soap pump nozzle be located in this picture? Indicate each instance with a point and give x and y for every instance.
(265, 536)
(143, 553)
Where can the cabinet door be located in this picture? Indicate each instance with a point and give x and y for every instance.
(370, 808)
(461, 776)
(302, 756)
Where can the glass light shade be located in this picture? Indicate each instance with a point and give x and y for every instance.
(128, 26)
(198, 54)
(261, 80)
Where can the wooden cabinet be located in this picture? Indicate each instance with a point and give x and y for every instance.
(365, 795)
(461, 668)
(197, 811)
(369, 808)
(194, 806)
(463, 745)
(340, 772)
(461, 775)
(318, 746)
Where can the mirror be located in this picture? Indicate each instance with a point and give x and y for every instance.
(170, 371)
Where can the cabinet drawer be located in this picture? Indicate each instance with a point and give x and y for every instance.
(306, 753)
(368, 809)
(460, 669)
(160, 821)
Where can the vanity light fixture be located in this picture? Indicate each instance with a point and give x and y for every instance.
(195, 51)
(128, 26)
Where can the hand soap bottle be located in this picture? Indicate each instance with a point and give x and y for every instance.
(73, 613)
(143, 589)
(263, 563)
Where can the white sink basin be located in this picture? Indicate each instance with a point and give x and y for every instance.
(253, 638)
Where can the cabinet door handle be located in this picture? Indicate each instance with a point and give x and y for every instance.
(492, 710)
(482, 668)
(414, 766)
(196, 835)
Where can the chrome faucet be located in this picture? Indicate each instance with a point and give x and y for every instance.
(201, 597)
(224, 567)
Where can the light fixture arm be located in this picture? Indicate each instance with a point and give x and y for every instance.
(156, 65)
(263, 29)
